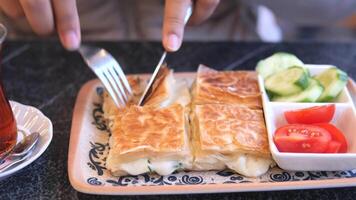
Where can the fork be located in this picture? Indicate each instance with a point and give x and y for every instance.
(108, 70)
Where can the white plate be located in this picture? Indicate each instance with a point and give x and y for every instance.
(88, 149)
(344, 119)
(29, 119)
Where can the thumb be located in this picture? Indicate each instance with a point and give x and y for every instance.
(173, 23)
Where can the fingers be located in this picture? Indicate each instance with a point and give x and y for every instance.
(203, 9)
(46, 15)
(39, 15)
(173, 23)
(67, 21)
(11, 8)
(174, 14)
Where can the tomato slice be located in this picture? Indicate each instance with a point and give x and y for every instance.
(336, 136)
(300, 138)
(333, 147)
(315, 114)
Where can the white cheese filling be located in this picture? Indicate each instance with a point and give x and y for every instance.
(178, 92)
(164, 167)
(136, 167)
(143, 165)
(248, 165)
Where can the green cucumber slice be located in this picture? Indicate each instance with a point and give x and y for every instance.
(276, 63)
(333, 80)
(287, 82)
(310, 94)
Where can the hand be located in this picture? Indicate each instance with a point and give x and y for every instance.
(45, 16)
(174, 14)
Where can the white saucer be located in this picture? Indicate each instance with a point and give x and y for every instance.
(29, 119)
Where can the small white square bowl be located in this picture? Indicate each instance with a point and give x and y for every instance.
(344, 119)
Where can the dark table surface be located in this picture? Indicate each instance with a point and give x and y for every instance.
(43, 74)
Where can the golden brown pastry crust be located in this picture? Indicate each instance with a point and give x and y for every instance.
(167, 90)
(160, 88)
(109, 107)
(222, 128)
(231, 128)
(149, 129)
(227, 87)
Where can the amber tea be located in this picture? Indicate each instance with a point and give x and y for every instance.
(8, 130)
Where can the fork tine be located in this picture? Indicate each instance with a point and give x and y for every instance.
(113, 86)
(107, 86)
(108, 70)
(122, 76)
(118, 82)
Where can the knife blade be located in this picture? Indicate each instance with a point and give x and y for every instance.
(149, 88)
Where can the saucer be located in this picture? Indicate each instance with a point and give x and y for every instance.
(29, 119)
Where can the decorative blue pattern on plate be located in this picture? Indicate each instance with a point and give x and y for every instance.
(99, 176)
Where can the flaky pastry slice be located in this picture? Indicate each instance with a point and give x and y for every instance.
(233, 136)
(155, 137)
(150, 139)
(167, 90)
(226, 87)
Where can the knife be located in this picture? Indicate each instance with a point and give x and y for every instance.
(149, 88)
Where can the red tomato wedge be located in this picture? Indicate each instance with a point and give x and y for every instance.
(333, 147)
(336, 135)
(312, 115)
(300, 138)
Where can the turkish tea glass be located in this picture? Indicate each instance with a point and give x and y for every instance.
(8, 129)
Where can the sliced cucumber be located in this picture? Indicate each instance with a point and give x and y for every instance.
(287, 82)
(306, 70)
(276, 63)
(333, 80)
(270, 94)
(310, 94)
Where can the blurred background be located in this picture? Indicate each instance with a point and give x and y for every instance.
(233, 20)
